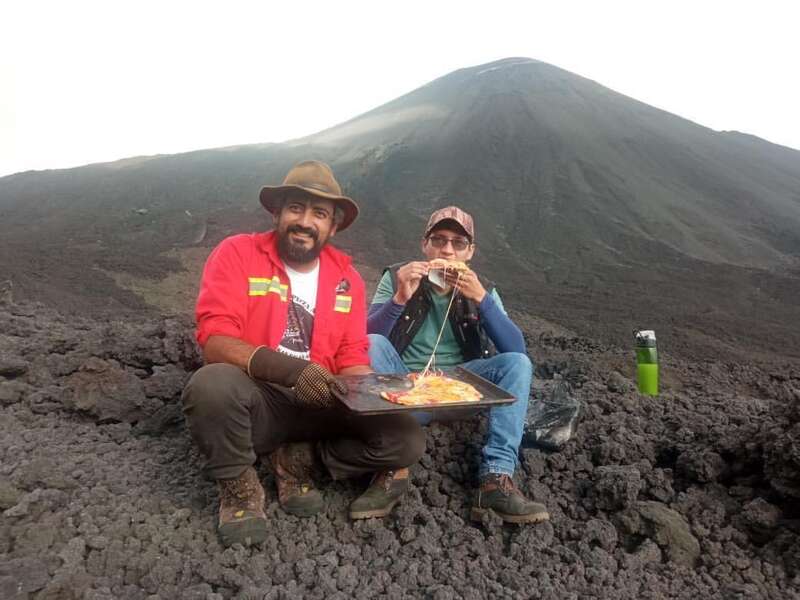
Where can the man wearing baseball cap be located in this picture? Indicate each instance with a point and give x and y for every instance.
(278, 315)
(405, 319)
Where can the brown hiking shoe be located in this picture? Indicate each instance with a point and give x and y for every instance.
(384, 491)
(241, 509)
(293, 466)
(499, 494)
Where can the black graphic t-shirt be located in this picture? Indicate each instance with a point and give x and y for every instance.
(296, 339)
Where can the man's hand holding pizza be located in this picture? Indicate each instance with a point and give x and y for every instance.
(408, 278)
(467, 283)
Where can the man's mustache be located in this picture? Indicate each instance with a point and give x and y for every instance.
(304, 230)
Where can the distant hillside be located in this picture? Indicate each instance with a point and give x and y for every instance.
(592, 209)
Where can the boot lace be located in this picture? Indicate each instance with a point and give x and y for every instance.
(241, 491)
(383, 479)
(504, 483)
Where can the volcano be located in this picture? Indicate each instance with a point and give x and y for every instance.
(592, 209)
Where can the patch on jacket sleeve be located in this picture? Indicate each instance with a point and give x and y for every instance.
(261, 286)
(343, 303)
(344, 286)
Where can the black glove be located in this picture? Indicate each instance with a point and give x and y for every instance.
(275, 367)
(314, 387)
(312, 383)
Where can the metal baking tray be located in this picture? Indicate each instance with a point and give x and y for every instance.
(364, 391)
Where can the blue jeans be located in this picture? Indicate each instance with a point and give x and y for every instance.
(512, 371)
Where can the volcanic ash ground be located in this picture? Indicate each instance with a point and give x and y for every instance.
(691, 494)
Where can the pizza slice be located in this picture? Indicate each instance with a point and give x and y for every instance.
(451, 265)
(433, 389)
(440, 267)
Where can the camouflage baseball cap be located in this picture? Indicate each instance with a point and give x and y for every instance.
(452, 213)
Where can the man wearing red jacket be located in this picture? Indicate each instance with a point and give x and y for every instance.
(278, 314)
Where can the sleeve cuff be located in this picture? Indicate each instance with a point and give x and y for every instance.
(487, 304)
(229, 330)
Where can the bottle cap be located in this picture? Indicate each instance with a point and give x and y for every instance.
(645, 337)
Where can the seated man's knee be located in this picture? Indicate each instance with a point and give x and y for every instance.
(211, 388)
(382, 356)
(378, 343)
(519, 362)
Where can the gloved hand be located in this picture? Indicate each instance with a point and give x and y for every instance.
(314, 387)
(312, 383)
(270, 365)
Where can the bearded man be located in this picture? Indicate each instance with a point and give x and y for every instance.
(278, 315)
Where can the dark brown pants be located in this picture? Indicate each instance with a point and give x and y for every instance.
(233, 419)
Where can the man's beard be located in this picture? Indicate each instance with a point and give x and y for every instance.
(291, 252)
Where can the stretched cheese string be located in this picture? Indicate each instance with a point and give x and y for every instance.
(431, 360)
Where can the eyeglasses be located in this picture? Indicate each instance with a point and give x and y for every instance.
(439, 241)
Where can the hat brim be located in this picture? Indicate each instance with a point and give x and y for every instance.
(271, 198)
(449, 220)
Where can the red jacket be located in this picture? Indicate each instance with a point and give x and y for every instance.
(245, 294)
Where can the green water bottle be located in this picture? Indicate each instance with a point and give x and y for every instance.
(646, 362)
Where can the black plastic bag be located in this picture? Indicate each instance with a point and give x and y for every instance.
(552, 422)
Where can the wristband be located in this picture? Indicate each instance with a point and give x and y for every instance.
(250, 360)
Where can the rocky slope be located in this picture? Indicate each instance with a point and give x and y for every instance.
(693, 493)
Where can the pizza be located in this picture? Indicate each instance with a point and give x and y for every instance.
(449, 265)
(440, 267)
(433, 389)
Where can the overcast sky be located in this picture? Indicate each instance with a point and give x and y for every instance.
(85, 81)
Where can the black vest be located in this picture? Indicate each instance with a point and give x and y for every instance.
(464, 320)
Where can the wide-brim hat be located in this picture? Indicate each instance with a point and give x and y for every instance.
(310, 177)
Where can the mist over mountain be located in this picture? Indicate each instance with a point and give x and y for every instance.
(592, 209)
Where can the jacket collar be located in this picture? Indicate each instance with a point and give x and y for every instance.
(267, 243)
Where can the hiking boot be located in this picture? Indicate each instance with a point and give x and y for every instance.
(499, 494)
(383, 493)
(293, 465)
(241, 509)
